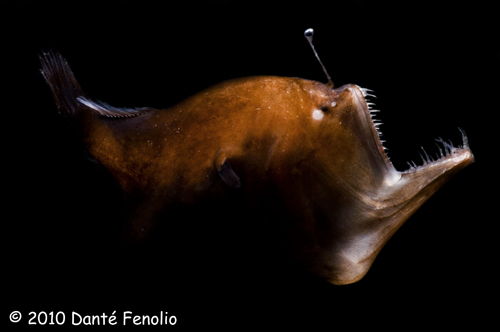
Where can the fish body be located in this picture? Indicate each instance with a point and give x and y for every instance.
(303, 156)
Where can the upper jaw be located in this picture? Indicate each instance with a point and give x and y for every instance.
(369, 112)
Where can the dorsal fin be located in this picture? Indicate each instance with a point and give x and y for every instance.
(69, 95)
(110, 111)
(62, 83)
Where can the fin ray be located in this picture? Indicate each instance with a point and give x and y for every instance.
(110, 111)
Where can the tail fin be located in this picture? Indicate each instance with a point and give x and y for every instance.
(62, 82)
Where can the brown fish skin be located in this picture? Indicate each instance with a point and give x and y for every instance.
(307, 158)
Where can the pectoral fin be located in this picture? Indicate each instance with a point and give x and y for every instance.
(226, 172)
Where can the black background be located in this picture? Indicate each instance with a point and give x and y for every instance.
(432, 65)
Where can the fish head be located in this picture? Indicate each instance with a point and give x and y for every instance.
(353, 199)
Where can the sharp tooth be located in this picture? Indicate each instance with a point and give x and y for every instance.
(364, 90)
(440, 150)
(425, 162)
(447, 147)
(426, 155)
(464, 138)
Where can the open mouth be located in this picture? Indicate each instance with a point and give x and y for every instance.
(446, 151)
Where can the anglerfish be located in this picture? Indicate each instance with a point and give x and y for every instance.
(304, 157)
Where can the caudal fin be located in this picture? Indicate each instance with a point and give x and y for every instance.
(62, 82)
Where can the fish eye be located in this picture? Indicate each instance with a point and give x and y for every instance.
(324, 109)
(318, 115)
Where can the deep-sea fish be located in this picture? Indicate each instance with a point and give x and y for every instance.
(304, 157)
